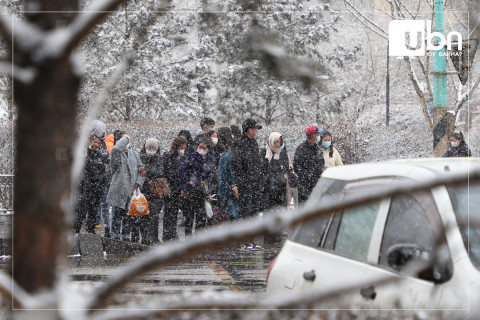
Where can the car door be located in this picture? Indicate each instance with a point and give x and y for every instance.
(356, 247)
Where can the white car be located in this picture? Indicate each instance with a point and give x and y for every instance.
(384, 239)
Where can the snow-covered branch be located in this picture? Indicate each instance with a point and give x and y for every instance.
(236, 301)
(91, 17)
(279, 60)
(92, 113)
(20, 298)
(6, 26)
(271, 224)
(464, 97)
(419, 91)
(24, 75)
(369, 23)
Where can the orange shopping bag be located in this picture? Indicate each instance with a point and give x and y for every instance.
(138, 204)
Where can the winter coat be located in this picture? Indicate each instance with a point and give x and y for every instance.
(308, 164)
(275, 172)
(461, 151)
(226, 179)
(216, 160)
(124, 165)
(246, 163)
(94, 177)
(171, 163)
(334, 160)
(198, 170)
(154, 168)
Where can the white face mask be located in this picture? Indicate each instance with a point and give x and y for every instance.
(181, 152)
(202, 152)
(214, 141)
(151, 152)
(454, 144)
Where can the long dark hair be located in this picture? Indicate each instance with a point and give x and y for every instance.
(177, 143)
(328, 134)
(224, 139)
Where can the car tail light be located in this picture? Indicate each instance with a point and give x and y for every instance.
(270, 267)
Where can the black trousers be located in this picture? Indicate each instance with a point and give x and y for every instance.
(87, 206)
(173, 203)
(194, 212)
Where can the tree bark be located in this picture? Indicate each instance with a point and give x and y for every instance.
(45, 136)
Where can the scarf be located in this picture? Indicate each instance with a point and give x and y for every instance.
(274, 136)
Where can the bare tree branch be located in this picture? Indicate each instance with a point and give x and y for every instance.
(271, 224)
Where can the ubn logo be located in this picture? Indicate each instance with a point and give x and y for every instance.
(407, 38)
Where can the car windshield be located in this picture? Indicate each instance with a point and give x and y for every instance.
(466, 204)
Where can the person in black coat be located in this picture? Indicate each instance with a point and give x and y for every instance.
(91, 186)
(247, 166)
(275, 168)
(308, 163)
(171, 162)
(153, 161)
(195, 177)
(190, 143)
(458, 147)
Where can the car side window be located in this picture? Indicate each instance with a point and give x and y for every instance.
(411, 232)
(355, 230)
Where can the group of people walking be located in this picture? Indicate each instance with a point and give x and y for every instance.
(225, 169)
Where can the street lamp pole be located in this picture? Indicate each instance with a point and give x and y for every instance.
(440, 122)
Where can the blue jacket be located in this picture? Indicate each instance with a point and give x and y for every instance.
(226, 177)
(198, 170)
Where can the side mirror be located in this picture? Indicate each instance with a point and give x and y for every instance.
(412, 259)
(401, 254)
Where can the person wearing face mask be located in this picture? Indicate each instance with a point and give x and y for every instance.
(195, 177)
(91, 186)
(275, 168)
(190, 144)
(128, 173)
(458, 146)
(227, 191)
(331, 156)
(308, 163)
(215, 152)
(174, 202)
(148, 224)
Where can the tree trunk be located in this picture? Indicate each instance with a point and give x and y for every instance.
(45, 133)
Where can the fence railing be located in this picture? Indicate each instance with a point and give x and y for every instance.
(6, 194)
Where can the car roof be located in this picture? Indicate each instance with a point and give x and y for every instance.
(416, 169)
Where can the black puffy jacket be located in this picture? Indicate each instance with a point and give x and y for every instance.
(308, 164)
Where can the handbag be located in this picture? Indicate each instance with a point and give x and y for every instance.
(159, 187)
(138, 204)
(277, 181)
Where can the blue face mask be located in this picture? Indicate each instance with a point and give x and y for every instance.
(318, 139)
(326, 144)
(283, 147)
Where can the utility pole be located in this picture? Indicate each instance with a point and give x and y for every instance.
(387, 90)
(440, 119)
